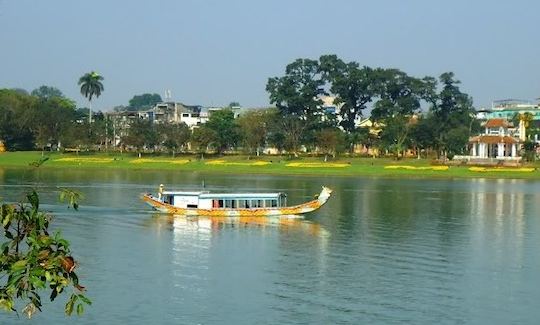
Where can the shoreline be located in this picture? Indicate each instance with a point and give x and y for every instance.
(265, 165)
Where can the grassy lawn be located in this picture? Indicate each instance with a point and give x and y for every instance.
(264, 165)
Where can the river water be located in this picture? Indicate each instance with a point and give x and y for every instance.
(381, 251)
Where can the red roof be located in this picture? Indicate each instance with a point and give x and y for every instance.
(496, 123)
(492, 139)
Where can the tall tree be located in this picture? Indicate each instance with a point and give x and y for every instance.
(400, 98)
(91, 85)
(354, 88)
(452, 110)
(296, 95)
(47, 92)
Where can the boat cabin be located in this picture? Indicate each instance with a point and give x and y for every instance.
(207, 200)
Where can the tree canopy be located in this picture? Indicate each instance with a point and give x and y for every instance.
(143, 102)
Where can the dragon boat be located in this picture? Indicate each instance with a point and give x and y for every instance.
(205, 203)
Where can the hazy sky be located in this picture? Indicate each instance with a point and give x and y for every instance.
(215, 52)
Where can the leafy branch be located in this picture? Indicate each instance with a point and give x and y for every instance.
(33, 259)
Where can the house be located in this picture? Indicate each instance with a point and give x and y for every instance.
(498, 141)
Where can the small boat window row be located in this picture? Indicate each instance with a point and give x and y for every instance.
(245, 204)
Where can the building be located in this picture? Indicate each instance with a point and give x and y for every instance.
(498, 141)
(508, 108)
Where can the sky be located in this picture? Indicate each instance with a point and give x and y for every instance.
(211, 53)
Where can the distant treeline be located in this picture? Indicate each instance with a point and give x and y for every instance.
(424, 114)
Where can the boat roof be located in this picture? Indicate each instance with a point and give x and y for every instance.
(240, 195)
(208, 195)
(184, 193)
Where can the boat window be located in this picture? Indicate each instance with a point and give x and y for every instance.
(273, 203)
(267, 203)
(256, 203)
(220, 203)
(242, 203)
(228, 203)
(233, 204)
(169, 199)
(215, 204)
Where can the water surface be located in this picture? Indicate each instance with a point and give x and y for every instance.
(381, 251)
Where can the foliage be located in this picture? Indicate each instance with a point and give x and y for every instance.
(141, 133)
(33, 259)
(225, 128)
(174, 136)
(330, 142)
(354, 88)
(16, 119)
(144, 101)
(529, 150)
(91, 85)
(254, 127)
(47, 92)
(201, 138)
(233, 104)
(400, 99)
(451, 110)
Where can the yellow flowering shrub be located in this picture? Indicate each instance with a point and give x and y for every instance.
(500, 169)
(317, 165)
(230, 163)
(407, 167)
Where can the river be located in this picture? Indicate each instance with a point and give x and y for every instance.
(383, 250)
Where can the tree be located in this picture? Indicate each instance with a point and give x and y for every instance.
(296, 95)
(353, 87)
(400, 96)
(451, 109)
(91, 86)
(201, 138)
(422, 134)
(233, 104)
(47, 92)
(141, 133)
(254, 127)
(16, 119)
(33, 259)
(51, 118)
(175, 136)
(330, 142)
(225, 128)
(143, 102)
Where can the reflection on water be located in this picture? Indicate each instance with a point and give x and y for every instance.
(207, 225)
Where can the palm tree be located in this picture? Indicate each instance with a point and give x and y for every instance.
(91, 86)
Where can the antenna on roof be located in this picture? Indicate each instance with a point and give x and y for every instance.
(168, 95)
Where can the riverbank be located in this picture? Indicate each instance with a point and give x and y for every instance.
(264, 165)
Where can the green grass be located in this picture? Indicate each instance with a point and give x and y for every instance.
(276, 165)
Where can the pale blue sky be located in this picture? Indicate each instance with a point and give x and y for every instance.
(215, 52)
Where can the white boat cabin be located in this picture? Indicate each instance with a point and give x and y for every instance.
(207, 200)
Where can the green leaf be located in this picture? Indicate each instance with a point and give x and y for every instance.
(70, 304)
(19, 265)
(80, 309)
(85, 299)
(33, 198)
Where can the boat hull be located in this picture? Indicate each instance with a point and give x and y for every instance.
(228, 212)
